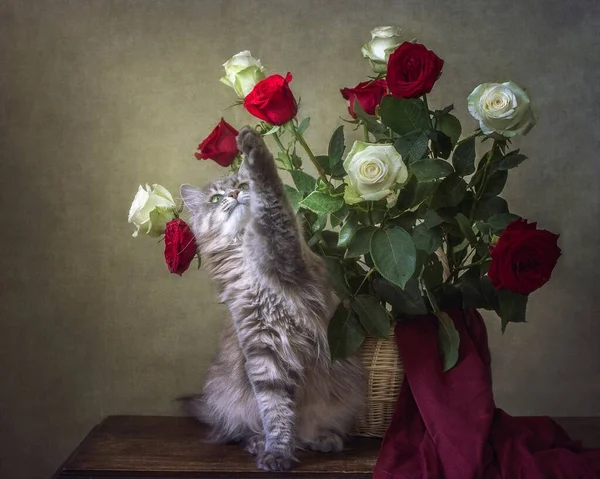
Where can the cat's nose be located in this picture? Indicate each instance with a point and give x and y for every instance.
(234, 194)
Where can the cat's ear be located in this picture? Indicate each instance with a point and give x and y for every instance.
(192, 196)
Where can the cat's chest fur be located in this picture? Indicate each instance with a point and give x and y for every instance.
(259, 302)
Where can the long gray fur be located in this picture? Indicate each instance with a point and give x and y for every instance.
(271, 384)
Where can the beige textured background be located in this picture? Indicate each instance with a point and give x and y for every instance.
(99, 96)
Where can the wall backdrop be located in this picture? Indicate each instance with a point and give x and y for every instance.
(99, 96)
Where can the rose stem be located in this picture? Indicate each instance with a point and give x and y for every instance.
(484, 180)
(427, 108)
(310, 154)
(366, 132)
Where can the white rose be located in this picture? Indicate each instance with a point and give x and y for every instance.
(242, 72)
(372, 170)
(151, 210)
(501, 108)
(384, 40)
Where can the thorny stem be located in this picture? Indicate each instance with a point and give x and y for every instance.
(309, 152)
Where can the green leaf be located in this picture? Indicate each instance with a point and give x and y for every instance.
(449, 341)
(348, 230)
(376, 128)
(463, 158)
(432, 219)
(373, 317)
(344, 334)
(303, 125)
(360, 243)
(337, 276)
(412, 146)
(402, 115)
(406, 195)
(336, 146)
(450, 192)
(433, 272)
(294, 196)
(406, 221)
(429, 170)
(511, 160)
(440, 144)
(394, 254)
(465, 228)
(512, 307)
(285, 160)
(303, 181)
(424, 191)
(495, 183)
(488, 207)
(323, 161)
(403, 301)
(450, 126)
(478, 293)
(319, 202)
(427, 239)
(320, 223)
(496, 223)
(337, 217)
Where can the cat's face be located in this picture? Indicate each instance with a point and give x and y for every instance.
(220, 210)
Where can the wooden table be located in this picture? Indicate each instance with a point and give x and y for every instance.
(133, 447)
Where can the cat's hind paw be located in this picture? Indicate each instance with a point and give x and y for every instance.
(326, 442)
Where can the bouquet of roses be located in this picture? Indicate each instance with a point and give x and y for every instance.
(409, 219)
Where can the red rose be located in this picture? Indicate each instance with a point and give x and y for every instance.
(272, 101)
(368, 94)
(180, 246)
(219, 145)
(523, 258)
(412, 70)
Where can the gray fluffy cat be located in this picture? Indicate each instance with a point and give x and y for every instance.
(271, 385)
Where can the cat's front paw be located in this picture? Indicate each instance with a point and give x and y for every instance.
(250, 143)
(275, 461)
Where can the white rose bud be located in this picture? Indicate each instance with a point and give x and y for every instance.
(373, 170)
(151, 210)
(242, 72)
(501, 108)
(384, 40)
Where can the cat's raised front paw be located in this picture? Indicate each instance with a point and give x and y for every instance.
(275, 461)
(249, 140)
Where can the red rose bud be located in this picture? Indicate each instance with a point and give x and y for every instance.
(524, 258)
(219, 145)
(271, 100)
(368, 94)
(412, 70)
(180, 246)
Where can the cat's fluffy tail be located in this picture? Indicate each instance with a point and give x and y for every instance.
(194, 405)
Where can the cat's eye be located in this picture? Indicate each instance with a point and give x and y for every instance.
(244, 186)
(216, 198)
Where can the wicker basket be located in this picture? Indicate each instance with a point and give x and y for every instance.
(384, 374)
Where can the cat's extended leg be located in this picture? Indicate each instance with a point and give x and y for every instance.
(275, 239)
(274, 385)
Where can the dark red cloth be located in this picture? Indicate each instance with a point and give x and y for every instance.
(446, 425)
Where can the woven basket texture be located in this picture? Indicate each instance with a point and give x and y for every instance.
(385, 373)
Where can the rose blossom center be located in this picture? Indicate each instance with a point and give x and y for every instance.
(499, 103)
(372, 171)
